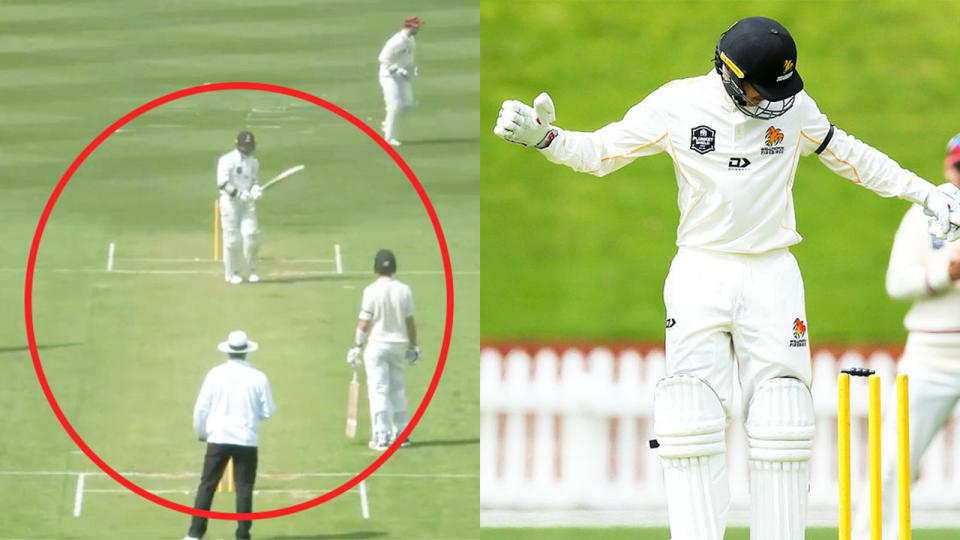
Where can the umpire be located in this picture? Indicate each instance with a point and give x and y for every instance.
(233, 400)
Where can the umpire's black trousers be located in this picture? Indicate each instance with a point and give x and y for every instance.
(244, 474)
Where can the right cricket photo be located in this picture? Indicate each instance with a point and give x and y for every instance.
(721, 271)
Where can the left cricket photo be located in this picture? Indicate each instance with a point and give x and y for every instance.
(239, 298)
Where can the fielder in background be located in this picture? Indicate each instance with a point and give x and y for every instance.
(734, 294)
(237, 181)
(386, 318)
(233, 400)
(397, 70)
(925, 269)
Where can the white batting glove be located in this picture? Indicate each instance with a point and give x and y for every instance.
(245, 196)
(256, 191)
(943, 207)
(530, 126)
(353, 356)
(412, 355)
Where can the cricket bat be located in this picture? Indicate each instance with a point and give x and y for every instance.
(353, 395)
(285, 174)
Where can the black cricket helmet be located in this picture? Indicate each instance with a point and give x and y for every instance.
(760, 51)
(246, 143)
(385, 262)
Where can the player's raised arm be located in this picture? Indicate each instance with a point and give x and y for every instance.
(641, 132)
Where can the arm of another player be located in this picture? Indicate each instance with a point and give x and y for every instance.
(201, 409)
(267, 408)
(413, 351)
(641, 132)
(360, 336)
(911, 273)
(223, 178)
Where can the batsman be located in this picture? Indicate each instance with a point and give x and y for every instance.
(237, 181)
(734, 296)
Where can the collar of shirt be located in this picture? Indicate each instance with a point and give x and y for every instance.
(716, 82)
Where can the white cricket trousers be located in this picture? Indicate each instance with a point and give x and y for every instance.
(731, 315)
(238, 220)
(386, 387)
(933, 395)
(397, 96)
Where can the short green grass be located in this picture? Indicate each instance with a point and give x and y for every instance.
(656, 533)
(125, 352)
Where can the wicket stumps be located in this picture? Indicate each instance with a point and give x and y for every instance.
(216, 230)
(843, 453)
(227, 477)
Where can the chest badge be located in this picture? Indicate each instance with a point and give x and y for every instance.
(703, 139)
(772, 142)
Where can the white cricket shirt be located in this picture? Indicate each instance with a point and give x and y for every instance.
(734, 173)
(918, 271)
(387, 303)
(233, 400)
(237, 169)
(398, 51)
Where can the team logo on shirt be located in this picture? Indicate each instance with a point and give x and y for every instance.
(671, 322)
(703, 139)
(799, 334)
(772, 141)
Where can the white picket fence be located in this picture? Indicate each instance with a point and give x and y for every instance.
(567, 430)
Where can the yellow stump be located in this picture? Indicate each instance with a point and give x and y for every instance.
(227, 477)
(216, 229)
(843, 455)
(876, 491)
(903, 455)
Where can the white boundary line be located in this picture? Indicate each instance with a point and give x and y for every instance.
(78, 497)
(364, 504)
(110, 252)
(337, 258)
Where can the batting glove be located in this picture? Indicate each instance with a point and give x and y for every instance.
(256, 191)
(943, 207)
(245, 196)
(353, 356)
(530, 126)
(412, 355)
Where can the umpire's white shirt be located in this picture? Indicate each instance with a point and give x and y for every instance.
(398, 51)
(387, 303)
(734, 173)
(233, 400)
(237, 169)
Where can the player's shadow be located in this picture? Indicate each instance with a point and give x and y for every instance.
(358, 535)
(24, 348)
(282, 280)
(449, 442)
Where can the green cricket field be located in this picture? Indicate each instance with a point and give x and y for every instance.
(125, 336)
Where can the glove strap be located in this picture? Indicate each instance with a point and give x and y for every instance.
(547, 139)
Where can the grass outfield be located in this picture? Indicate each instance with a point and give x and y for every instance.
(125, 351)
(593, 254)
(663, 533)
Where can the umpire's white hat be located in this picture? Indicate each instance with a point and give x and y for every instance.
(237, 342)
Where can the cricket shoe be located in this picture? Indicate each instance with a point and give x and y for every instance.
(235, 280)
(254, 278)
(190, 538)
(393, 142)
(407, 443)
(379, 443)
